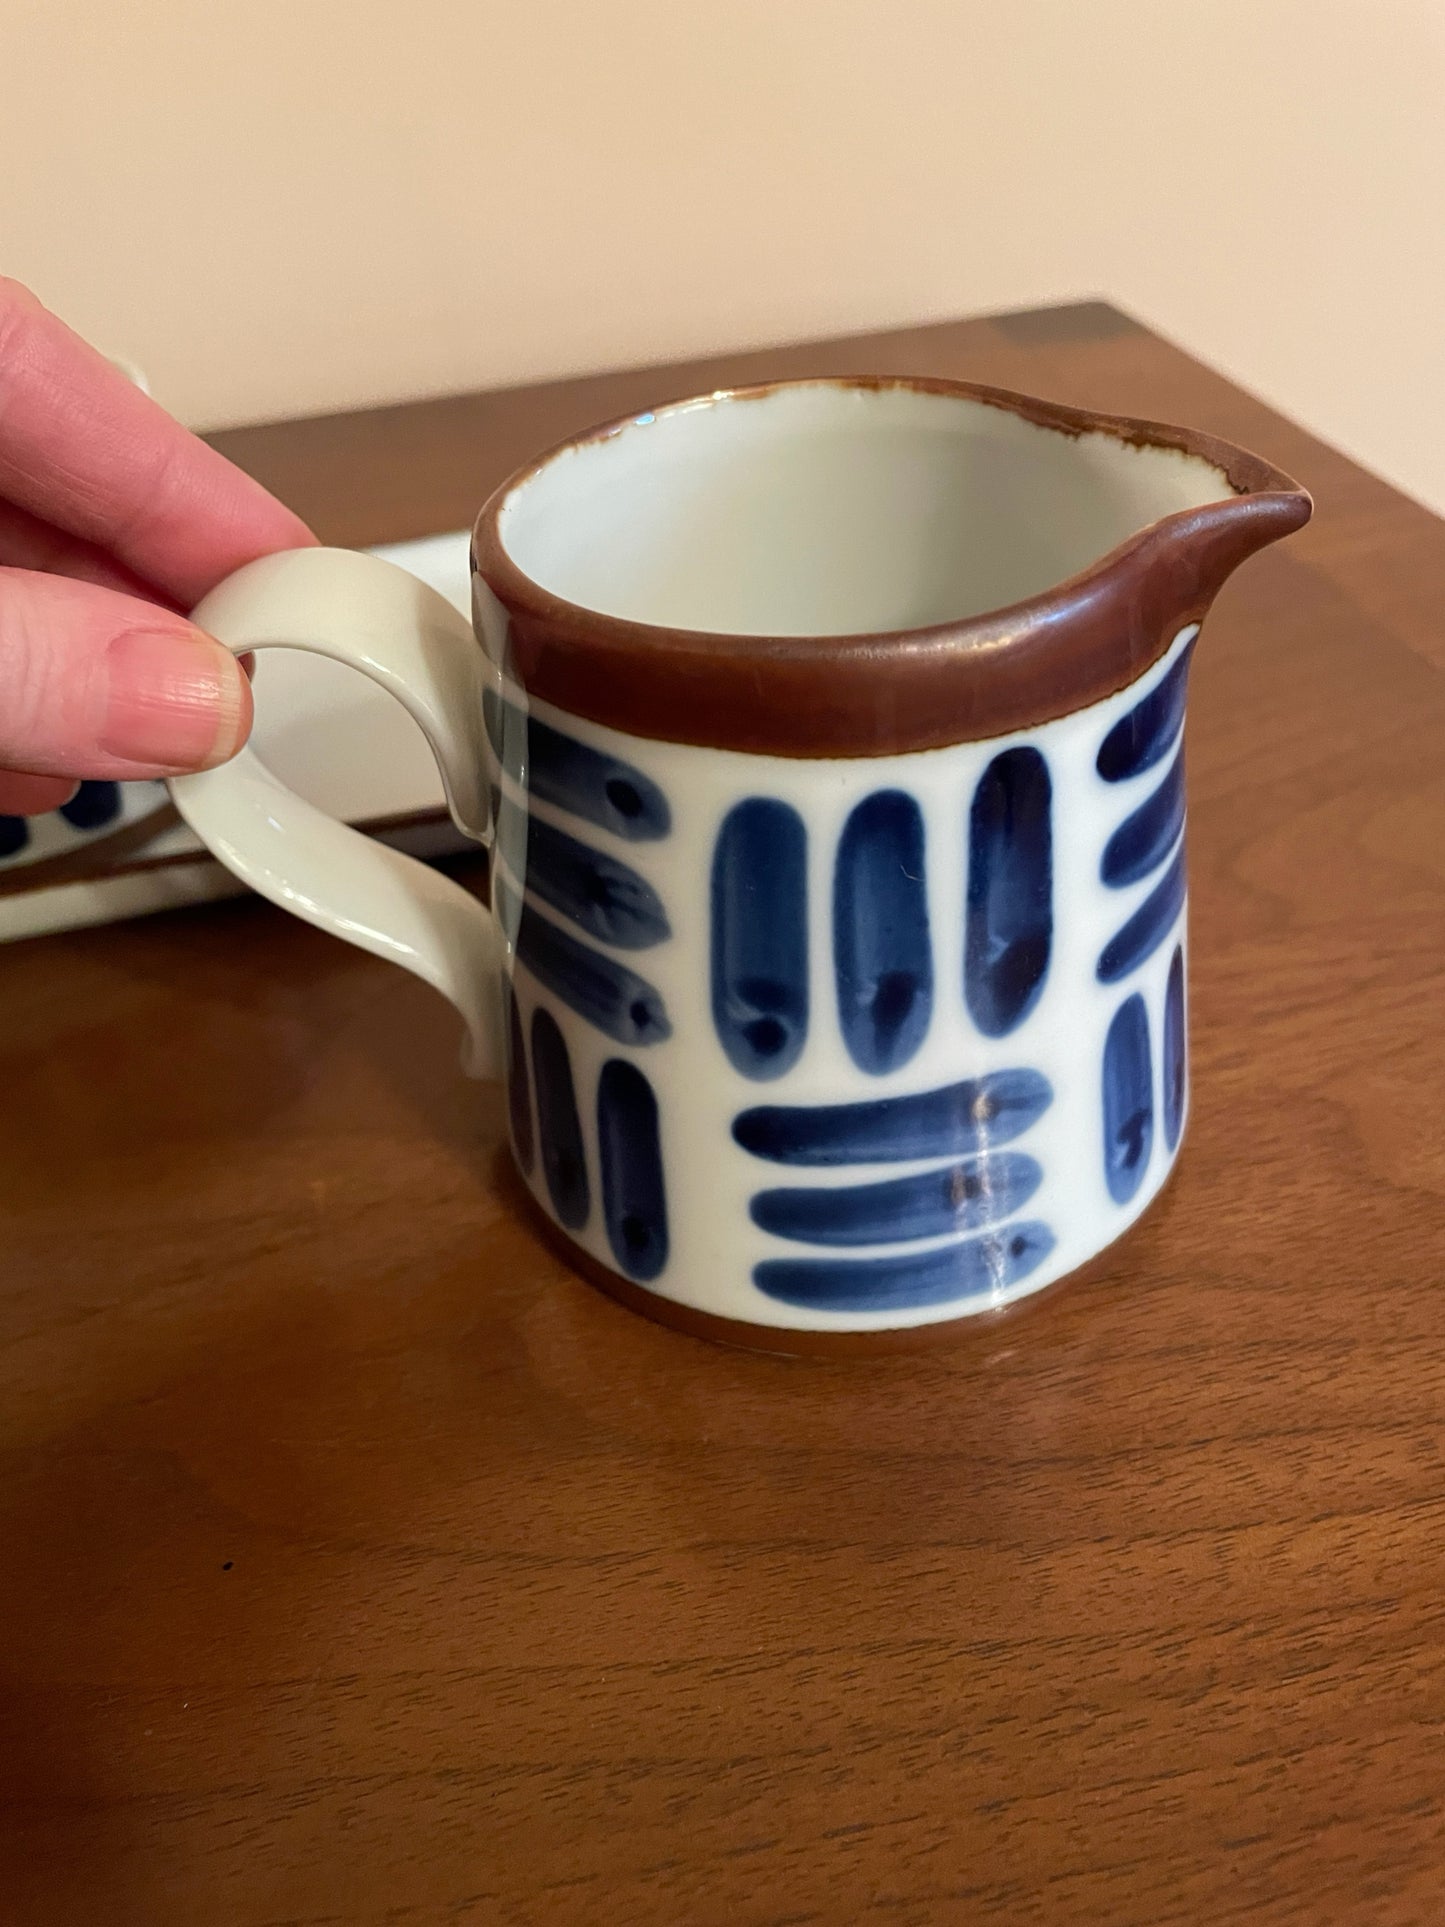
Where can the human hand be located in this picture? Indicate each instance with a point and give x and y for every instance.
(113, 519)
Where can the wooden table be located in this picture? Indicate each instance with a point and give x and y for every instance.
(359, 1565)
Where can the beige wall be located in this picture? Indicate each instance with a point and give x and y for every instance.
(293, 205)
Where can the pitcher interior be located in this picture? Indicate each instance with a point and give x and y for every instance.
(835, 509)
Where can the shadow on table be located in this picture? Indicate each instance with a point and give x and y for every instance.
(356, 1556)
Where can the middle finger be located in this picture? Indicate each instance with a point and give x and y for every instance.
(28, 543)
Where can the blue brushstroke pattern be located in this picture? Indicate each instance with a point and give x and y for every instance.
(931, 1204)
(1010, 919)
(1176, 1051)
(882, 951)
(604, 897)
(1146, 734)
(979, 1267)
(629, 1147)
(1150, 924)
(1143, 840)
(564, 1161)
(958, 1120)
(1128, 1100)
(760, 937)
(616, 1000)
(574, 777)
(519, 1100)
(92, 806)
(14, 835)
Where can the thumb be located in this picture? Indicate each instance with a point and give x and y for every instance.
(98, 684)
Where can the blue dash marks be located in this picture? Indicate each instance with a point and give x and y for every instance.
(760, 937)
(929, 1204)
(606, 898)
(629, 1148)
(616, 1000)
(1150, 924)
(92, 806)
(958, 1120)
(1176, 1051)
(1143, 840)
(1128, 1094)
(1009, 915)
(564, 1161)
(977, 1267)
(1151, 837)
(1145, 735)
(882, 954)
(573, 776)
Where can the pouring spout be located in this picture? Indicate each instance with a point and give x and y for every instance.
(1206, 545)
(1141, 597)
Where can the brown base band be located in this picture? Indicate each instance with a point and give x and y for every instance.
(783, 1342)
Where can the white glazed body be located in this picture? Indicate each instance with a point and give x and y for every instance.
(713, 1244)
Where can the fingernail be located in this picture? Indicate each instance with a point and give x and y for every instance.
(174, 698)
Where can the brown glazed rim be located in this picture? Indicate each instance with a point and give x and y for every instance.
(911, 689)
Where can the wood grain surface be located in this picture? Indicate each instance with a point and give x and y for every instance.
(358, 1564)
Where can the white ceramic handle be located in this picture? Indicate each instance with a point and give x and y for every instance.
(360, 610)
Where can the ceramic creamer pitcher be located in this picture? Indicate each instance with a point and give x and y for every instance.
(828, 741)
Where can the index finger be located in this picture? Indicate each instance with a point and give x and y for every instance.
(84, 450)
